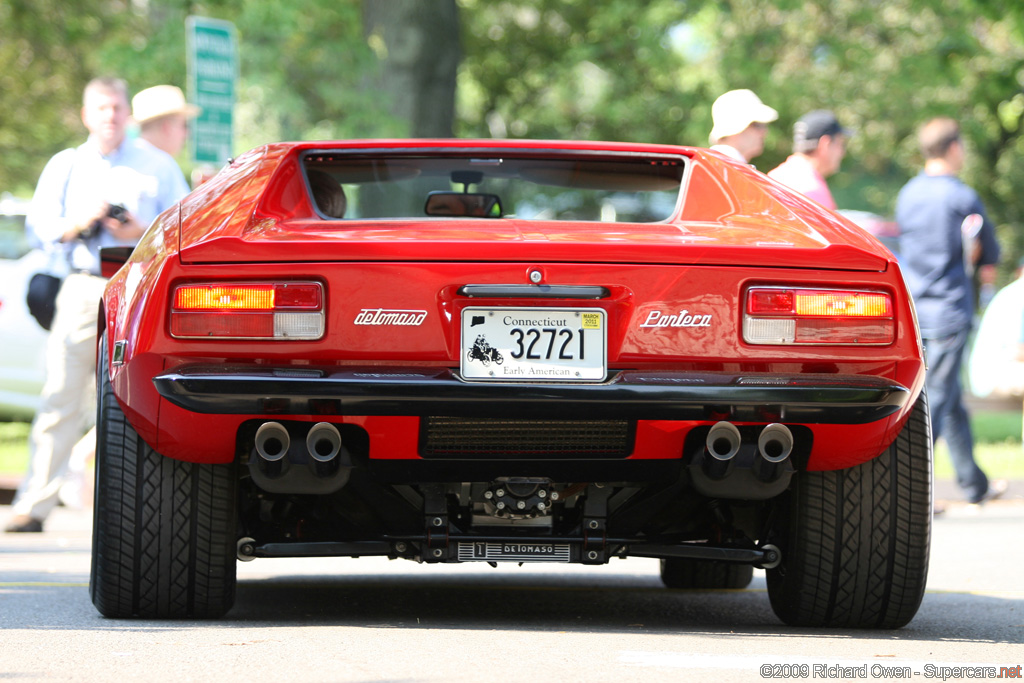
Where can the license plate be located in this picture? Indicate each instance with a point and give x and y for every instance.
(513, 552)
(553, 344)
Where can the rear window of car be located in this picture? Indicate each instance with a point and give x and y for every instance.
(585, 187)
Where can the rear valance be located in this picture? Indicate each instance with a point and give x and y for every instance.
(809, 399)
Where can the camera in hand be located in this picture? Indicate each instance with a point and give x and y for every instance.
(116, 211)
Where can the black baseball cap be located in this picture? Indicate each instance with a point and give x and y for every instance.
(816, 124)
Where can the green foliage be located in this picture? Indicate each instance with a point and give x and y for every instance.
(1003, 460)
(641, 70)
(13, 447)
(304, 70)
(650, 70)
(553, 69)
(997, 426)
(47, 55)
(304, 67)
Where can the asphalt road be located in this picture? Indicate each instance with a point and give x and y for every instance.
(375, 620)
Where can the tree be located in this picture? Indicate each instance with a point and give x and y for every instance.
(650, 71)
(555, 69)
(47, 55)
(640, 70)
(417, 44)
(308, 70)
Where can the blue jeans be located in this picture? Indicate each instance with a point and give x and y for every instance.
(949, 417)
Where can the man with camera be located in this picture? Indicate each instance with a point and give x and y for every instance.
(105, 192)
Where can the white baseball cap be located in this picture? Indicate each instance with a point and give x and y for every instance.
(161, 100)
(735, 110)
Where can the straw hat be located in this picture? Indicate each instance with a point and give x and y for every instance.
(161, 100)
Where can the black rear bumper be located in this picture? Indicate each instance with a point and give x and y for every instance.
(628, 394)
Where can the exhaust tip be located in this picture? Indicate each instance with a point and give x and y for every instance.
(723, 441)
(775, 442)
(323, 442)
(272, 441)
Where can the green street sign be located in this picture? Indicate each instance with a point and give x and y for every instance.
(212, 80)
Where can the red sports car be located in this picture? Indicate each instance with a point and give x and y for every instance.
(511, 351)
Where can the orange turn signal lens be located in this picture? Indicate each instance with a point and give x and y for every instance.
(248, 310)
(224, 297)
(845, 304)
(781, 315)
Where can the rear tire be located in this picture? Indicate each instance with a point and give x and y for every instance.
(163, 530)
(855, 542)
(680, 573)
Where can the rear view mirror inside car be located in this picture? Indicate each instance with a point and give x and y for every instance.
(463, 204)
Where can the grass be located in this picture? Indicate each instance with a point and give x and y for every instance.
(996, 426)
(998, 460)
(997, 448)
(13, 447)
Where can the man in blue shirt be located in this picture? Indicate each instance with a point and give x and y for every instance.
(70, 215)
(944, 235)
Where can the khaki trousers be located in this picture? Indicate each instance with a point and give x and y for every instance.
(69, 397)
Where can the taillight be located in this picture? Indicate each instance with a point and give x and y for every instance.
(780, 315)
(248, 310)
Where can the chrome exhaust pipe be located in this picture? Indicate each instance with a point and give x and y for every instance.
(723, 442)
(775, 443)
(272, 441)
(774, 446)
(721, 446)
(323, 442)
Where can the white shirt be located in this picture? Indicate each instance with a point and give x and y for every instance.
(137, 175)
